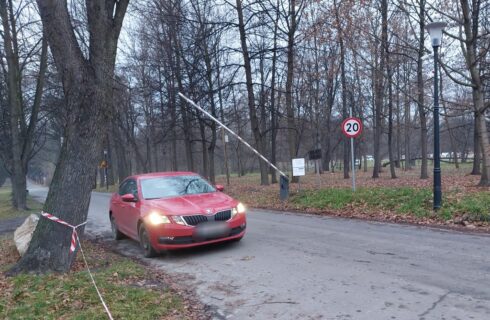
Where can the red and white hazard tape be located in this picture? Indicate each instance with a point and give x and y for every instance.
(74, 240)
(74, 234)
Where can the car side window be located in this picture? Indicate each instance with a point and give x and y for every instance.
(123, 188)
(132, 188)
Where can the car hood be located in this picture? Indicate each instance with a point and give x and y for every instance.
(193, 204)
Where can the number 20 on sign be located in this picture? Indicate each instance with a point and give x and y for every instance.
(352, 127)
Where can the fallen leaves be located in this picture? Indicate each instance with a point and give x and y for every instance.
(456, 184)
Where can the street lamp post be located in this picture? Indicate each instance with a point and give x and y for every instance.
(435, 32)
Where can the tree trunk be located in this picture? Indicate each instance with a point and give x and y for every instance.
(485, 151)
(212, 143)
(87, 84)
(470, 26)
(379, 90)
(407, 111)
(448, 125)
(390, 114)
(420, 98)
(292, 130)
(273, 99)
(345, 114)
(476, 171)
(254, 122)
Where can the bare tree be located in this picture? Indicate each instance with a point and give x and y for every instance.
(22, 129)
(87, 84)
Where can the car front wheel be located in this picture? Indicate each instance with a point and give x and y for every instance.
(145, 244)
(116, 234)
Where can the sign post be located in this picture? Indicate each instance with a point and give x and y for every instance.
(352, 128)
(299, 169)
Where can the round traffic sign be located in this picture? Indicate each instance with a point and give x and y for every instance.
(352, 127)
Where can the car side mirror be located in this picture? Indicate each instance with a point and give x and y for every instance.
(128, 197)
(220, 188)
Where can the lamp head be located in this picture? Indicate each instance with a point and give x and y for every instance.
(435, 32)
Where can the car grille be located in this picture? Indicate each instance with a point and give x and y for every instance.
(199, 218)
(195, 220)
(223, 215)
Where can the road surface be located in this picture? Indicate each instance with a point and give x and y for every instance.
(292, 266)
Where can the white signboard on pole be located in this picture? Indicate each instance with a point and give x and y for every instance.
(299, 167)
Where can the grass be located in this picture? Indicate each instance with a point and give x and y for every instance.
(403, 200)
(6, 210)
(129, 290)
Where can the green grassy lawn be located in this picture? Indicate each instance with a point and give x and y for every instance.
(403, 200)
(129, 289)
(6, 210)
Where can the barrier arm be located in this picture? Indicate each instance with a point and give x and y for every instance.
(284, 192)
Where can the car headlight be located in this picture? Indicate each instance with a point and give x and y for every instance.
(156, 218)
(240, 208)
(179, 220)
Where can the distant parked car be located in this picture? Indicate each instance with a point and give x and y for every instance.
(173, 210)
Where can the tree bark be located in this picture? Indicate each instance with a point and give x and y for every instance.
(254, 122)
(390, 116)
(379, 90)
(292, 129)
(87, 85)
(476, 170)
(420, 99)
(273, 110)
(407, 112)
(345, 114)
(470, 26)
(21, 134)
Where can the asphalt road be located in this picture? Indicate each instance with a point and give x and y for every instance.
(292, 266)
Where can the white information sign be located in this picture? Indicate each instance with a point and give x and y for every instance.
(299, 168)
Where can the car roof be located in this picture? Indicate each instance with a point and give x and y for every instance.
(163, 174)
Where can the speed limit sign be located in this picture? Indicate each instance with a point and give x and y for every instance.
(352, 127)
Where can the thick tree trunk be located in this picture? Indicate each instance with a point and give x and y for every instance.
(87, 84)
(49, 248)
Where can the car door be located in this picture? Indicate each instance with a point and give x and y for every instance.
(132, 211)
(116, 202)
(120, 207)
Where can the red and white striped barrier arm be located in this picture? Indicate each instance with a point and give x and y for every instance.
(74, 234)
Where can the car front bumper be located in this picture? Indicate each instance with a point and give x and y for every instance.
(174, 236)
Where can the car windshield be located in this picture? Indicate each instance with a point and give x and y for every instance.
(165, 187)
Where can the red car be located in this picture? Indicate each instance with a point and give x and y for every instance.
(173, 210)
